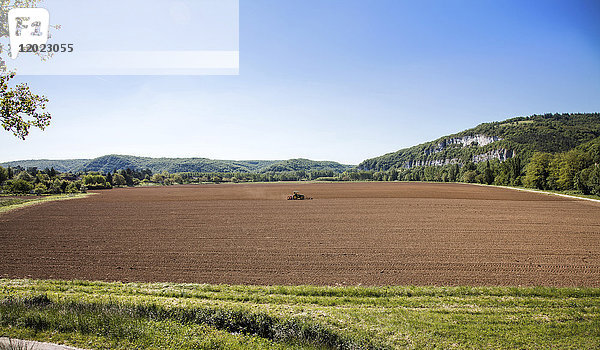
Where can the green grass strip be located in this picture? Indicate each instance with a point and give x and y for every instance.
(8, 204)
(335, 317)
(134, 324)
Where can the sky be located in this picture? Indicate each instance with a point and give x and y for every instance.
(341, 80)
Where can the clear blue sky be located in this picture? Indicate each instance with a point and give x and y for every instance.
(338, 80)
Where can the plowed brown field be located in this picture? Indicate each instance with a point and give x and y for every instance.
(350, 234)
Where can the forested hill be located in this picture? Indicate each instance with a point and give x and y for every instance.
(301, 164)
(173, 165)
(63, 166)
(519, 136)
(113, 162)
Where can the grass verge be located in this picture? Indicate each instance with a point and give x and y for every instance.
(12, 202)
(568, 194)
(167, 315)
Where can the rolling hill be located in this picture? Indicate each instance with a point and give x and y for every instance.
(519, 136)
(63, 166)
(302, 164)
(113, 162)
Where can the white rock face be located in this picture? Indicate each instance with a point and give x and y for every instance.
(500, 154)
(436, 162)
(465, 141)
(478, 140)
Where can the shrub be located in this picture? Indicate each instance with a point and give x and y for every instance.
(71, 188)
(18, 186)
(40, 188)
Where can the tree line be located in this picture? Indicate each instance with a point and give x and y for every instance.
(575, 170)
(17, 180)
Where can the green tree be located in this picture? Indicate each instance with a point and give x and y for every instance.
(42, 177)
(564, 168)
(18, 186)
(63, 186)
(594, 181)
(71, 188)
(469, 176)
(157, 178)
(488, 174)
(128, 176)
(431, 173)
(40, 188)
(119, 180)
(25, 176)
(95, 181)
(92, 179)
(469, 166)
(588, 180)
(508, 172)
(454, 172)
(514, 165)
(109, 179)
(178, 179)
(3, 174)
(538, 170)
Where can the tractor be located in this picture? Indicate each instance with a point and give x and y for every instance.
(296, 196)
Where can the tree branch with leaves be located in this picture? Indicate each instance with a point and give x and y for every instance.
(20, 108)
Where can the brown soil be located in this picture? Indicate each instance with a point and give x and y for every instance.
(349, 234)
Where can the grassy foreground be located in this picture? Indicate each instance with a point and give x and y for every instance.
(103, 315)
